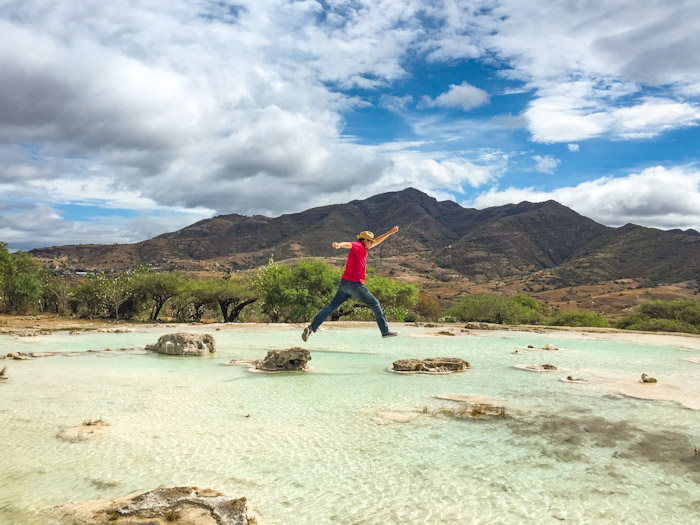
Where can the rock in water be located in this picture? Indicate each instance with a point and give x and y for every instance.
(485, 326)
(431, 365)
(164, 505)
(184, 343)
(290, 359)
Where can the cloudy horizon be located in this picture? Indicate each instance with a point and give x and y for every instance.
(120, 121)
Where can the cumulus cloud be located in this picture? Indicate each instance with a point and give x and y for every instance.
(545, 163)
(573, 147)
(590, 63)
(42, 225)
(574, 115)
(176, 107)
(657, 197)
(464, 96)
(189, 107)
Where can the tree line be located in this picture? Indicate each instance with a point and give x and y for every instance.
(279, 293)
(678, 315)
(272, 293)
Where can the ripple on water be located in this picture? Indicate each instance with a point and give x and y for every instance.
(308, 449)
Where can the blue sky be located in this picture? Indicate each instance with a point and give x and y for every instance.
(122, 120)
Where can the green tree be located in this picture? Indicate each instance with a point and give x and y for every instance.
(294, 294)
(55, 293)
(312, 286)
(678, 315)
(116, 294)
(192, 302)
(428, 308)
(396, 298)
(271, 285)
(86, 300)
(102, 296)
(492, 308)
(390, 292)
(20, 285)
(232, 294)
(156, 288)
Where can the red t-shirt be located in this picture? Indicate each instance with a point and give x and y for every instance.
(357, 263)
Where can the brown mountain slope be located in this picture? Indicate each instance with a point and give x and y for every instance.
(437, 240)
(520, 239)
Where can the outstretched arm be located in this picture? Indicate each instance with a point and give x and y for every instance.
(382, 237)
(337, 245)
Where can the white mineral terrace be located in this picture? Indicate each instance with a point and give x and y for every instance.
(348, 442)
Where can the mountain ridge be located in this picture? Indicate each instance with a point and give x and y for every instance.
(502, 242)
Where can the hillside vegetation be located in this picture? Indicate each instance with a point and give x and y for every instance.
(277, 292)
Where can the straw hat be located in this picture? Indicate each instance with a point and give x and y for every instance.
(369, 236)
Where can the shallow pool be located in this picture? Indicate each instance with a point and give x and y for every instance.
(326, 446)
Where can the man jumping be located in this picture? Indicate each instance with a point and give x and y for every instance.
(352, 283)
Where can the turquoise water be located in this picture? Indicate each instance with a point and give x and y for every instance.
(319, 447)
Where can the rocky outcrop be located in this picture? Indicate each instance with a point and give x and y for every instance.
(283, 360)
(537, 368)
(473, 406)
(86, 430)
(475, 325)
(162, 506)
(433, 365)
(184, 343)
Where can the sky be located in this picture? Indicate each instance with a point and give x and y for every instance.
(123, 120)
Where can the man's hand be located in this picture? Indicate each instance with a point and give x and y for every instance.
(336, 245)
(394, 229)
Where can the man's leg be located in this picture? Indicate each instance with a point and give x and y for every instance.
(339, 298)
(360, 292)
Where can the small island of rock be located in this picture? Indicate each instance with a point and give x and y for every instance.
(162, 506)
(184, 343)
(284, 360)
(433, 365)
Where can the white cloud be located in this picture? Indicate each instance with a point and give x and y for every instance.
(463, 96)
(41, 225)
(654, 116)
(395, 104)
(590, 62)
(209, 107)
(573, 147)
(545, 163)
(576, 114)
(657, 197)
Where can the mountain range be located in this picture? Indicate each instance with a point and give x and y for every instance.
(541, 246)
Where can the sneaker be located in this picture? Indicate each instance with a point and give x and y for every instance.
(390, 334)
(306, 333)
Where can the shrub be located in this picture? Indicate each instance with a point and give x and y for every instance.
(679, 315)
(580, 318)
(647, 324)
(491, 308)
(20, 286)
(428, 308)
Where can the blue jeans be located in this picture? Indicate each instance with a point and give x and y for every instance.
(346, 290)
